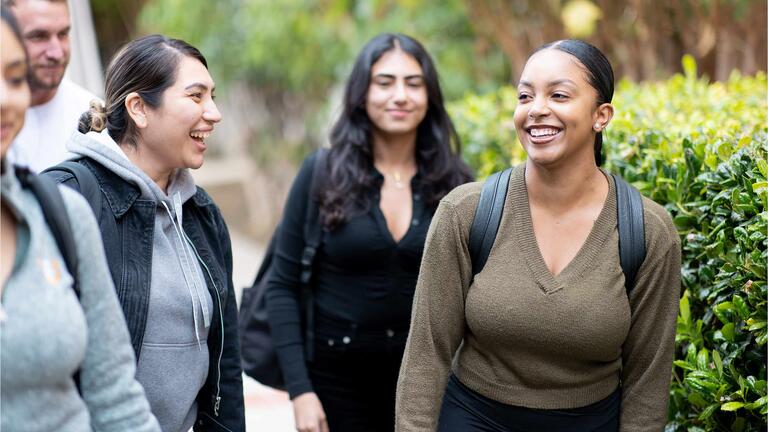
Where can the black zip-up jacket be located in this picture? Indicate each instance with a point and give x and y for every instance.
(127, 228)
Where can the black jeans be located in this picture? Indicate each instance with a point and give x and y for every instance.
(357, 386)
(464, 410)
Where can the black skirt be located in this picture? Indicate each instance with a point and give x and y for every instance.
(465, 410)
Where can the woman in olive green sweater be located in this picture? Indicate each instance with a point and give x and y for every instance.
(545, 337)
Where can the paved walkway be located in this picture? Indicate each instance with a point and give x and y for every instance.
(266, 410)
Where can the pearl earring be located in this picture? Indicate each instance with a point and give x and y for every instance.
(597, 127)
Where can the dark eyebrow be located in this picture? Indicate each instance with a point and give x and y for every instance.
(550, 84)
(200, 85)
(562, 81)
(390, 76)
(36, 33)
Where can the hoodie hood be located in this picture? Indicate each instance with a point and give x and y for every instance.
(100, 147)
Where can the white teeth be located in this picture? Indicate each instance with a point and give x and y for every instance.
(539, 132)
(200, 135)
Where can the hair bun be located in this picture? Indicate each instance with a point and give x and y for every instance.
(95, 119)
(98, 115)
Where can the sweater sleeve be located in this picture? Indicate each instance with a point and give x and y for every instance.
(284, 287)
(437, 323)
(649, 348)
(114, 398)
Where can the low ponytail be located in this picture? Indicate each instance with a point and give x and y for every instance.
(599, 148)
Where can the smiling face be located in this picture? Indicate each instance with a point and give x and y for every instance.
(14, 90)
(173, 135)
(557, 109)
(396, 101)
(45, 28)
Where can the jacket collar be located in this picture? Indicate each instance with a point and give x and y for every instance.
(121, 195)
(201, 198)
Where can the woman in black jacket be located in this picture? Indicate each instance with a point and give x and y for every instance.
(167, 245)
(394, 154)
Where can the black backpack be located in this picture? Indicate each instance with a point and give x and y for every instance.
(55, 213)
(629, 205)
(88, 186)
(259, 359)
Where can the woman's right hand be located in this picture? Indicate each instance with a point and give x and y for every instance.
(308, 413)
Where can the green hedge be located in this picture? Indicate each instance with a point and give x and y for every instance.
(699, 149)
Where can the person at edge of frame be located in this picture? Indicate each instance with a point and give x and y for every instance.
(56, 101)
(66, 362)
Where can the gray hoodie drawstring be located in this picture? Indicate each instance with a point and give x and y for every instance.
(185, 260)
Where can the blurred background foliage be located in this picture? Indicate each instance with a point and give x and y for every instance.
(282, 64)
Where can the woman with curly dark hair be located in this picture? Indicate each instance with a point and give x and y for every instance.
(394, 154)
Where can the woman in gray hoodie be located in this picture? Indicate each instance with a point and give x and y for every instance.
(167, 245)
(66, 364)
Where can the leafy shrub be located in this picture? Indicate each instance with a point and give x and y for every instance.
(700, 149)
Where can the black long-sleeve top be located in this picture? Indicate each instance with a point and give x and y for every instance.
(362, 278)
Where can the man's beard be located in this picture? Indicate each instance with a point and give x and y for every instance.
(47, 81)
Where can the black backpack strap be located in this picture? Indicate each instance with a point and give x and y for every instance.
(313, 233)
(87, 183)
(49, 196)
(485, 225)
(55, 213)
(631, 224)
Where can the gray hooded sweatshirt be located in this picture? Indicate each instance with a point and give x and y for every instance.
(174, 360)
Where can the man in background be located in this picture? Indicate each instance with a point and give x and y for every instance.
(56, 102)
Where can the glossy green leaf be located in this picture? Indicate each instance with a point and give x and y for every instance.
(729, 332)
(702, 359)
(731, 406)
(760, 187)
(718, 363)
(685, 309)
(741, 307)
(683, 364)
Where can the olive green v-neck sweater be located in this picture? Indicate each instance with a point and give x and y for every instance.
(525, 337)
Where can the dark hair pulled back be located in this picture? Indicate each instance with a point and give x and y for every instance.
(147, 66)
(599, 75)
(350, 159)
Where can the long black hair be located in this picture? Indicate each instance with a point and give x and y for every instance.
(599, 75)
(148, 66)
(350, 160)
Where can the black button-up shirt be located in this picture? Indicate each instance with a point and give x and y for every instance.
(364, 280)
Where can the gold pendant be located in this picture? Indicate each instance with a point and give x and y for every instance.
(398, 180)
